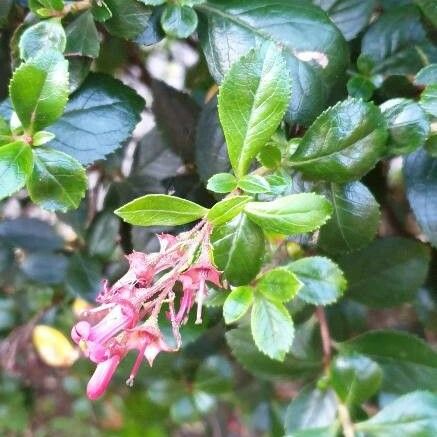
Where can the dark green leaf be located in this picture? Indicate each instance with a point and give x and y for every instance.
(39, 90)
(16, 163)
(222, 183)
(103, 235)
(407, 123)
(214, 376)
(279, 285)
(429, 9)
(179, 21)
(386, 273)
(252, 102)
(272, 328)
(290, 215)
(237, 304)
(58, 181)
(5, 8)
(227, 209)
(45, 267)
(82, 36)
(360, 87)
(101, 11)
(114, 110)
(323, 281)
(254, 184)
(160, 210)
(83, 277)
(355, 219)
(239, 248)
(315, 60)
(343, 144)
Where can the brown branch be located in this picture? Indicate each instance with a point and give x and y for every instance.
(325, 335)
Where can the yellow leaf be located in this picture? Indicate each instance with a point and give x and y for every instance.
(53, 347)
(79, 306)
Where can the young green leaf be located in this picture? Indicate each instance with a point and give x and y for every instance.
(82, 36)
(290, 215)
(254, 184)
(279, 285)
(252, 101)
(47, 34)
(179, 21)
(39, 90)
(227, 209)
(272, 328)
(51, 5)
(323, 281)
(42, 137)
(237, 304)
(222, 183)
(160, 210)
(239, 248)
(343, 144)
(16, 162)
(58, 181)
(270, 156)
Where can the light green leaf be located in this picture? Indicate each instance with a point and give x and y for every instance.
(290, 215)
(39, 90)
(323, 281)
(427, 75)
(42, 137)
(82, 36)
(58, 181)
(222, 183)
(343, 144)
(272, 328)
(16, 162)
(227, 209)
(51, 5)
(279, 285)
(270, 156)
(47, 34)
(179, 21)
(239, 248)
(428, 100)
(254, 184)
(161, 210)
(237, 304)
(252, 102)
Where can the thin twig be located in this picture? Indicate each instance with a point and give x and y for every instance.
(326, 337)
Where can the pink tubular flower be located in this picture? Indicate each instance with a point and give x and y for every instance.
(99, 382)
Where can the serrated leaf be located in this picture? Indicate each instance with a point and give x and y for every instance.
(47, 34)
(179, 21)
(427, 75)
(160, 210)
(237, 304)
(272, 328)
(343, 144)
(386, 273)
(290, 215)
(39, 90)
(407, 123)
(114, 109)
(354, 221)
(227, 209)
(239, 248)
(323, 281)
(254, 184)
(16, 163)
(254, 93)
(279, 285)
(222, 183)
(428, 100)
(360, 87)
(82, 36)
(57, 182)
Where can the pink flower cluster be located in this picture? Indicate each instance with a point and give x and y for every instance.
(127, 318)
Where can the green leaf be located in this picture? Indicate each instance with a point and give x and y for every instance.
(100, 11)
(272, 328)
(39, 90)
(16, 162)
(427, 75)
(252, 102)
(254, 184)
(429, 9)
(58, 181)
(239, 248)
(270, 156)
(408, 362)
(355, 378)
(129, 18)
(428, 100)
(407, 123)
(5, 9)
(350, 16)
(162, 210)
(51, 5)
(45, 267)
(311, 409)
(290, 215)
(360, 87)
(47, 34)
(214, 376)
(227, 209)
(153, 2)
(420, 172)
(315, 60)
(179, 21)
(222, 183)
(42, 137)
(412, 415)
(386, 273)
(237, 304)
(103, 235)
(354, 221)
(279, 285)
(343, 144)
(323, 281)
(82, 36)
(115, 110)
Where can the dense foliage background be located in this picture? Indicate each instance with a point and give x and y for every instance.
(327, 322)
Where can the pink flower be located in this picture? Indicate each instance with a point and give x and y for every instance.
(102, 376)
